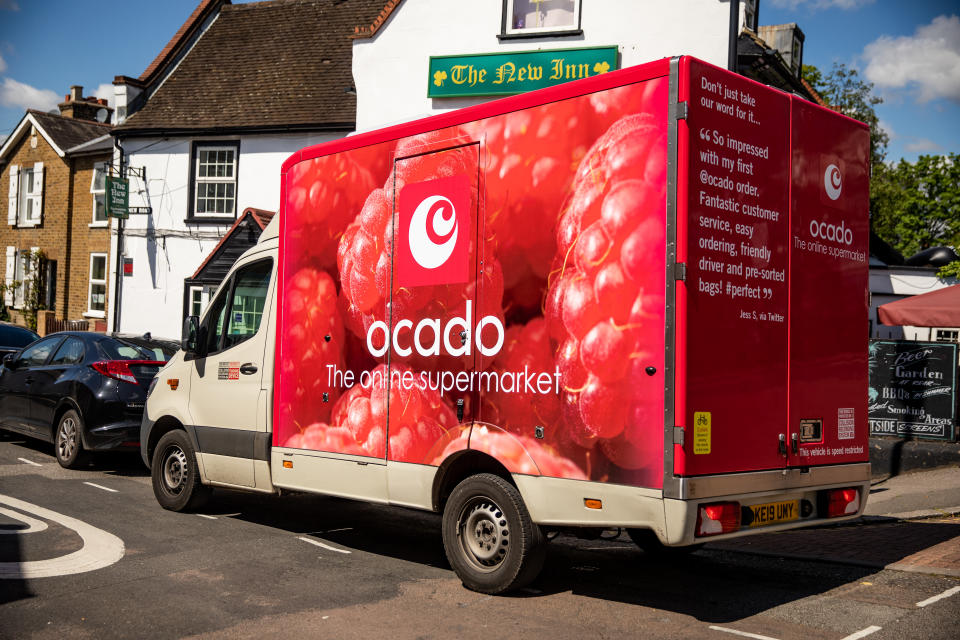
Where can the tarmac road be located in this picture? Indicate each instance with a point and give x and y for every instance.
(310, 566)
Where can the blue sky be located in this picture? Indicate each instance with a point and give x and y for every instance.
(910, 49)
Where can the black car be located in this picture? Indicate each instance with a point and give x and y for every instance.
(83, 391)
(14, 337)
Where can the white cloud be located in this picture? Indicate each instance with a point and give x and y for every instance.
(886, 127)
(927, 62)
(3, 64)
(105, 90)
(17, 94)
(813, 5)
(922, 145)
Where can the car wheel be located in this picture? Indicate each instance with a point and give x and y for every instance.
(650, 543)
(176, 478)
(489, 538)
(67, 442)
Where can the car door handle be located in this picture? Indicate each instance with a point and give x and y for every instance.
(248, 368)
(28, 380)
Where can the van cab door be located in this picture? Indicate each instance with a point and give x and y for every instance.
(228, 401)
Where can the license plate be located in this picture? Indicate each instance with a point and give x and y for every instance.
(774, 512)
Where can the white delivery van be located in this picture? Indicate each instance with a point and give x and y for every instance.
(637, 300)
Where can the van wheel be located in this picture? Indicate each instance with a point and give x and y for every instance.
(650, 543)
(67, 442)
(176, 479)
(489, 538)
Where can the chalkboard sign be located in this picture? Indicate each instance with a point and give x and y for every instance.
(913, 389)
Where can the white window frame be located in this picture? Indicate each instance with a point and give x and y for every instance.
(950, 336)
(102, 168)
(199, 295)
(197, 180)
(25, 199)
(510, 30)
(19, 269)
(91, 312)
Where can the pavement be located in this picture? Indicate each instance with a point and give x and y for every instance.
(911, 523)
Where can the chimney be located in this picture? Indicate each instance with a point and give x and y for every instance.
(90, 108)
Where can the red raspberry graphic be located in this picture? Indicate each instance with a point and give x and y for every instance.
(605, 302)
(324, 195)
(310, 317)
(363, 259)
(418, 418)
(519, 454)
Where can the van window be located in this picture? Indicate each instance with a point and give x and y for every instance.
(236, 314)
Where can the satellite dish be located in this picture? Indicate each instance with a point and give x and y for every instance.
(102, 114)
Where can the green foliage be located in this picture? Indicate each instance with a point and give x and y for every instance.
(842, 89)
(33, 289)
(951, 270)
(916, 205)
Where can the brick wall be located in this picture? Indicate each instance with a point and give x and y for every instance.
(51, 234)
(86, 238)
(64, 234)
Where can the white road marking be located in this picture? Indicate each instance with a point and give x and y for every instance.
(100, 549)
(325, 546)
(945, 594)
(742, 633)
(33, 525)
(102, 487)
(203, 515)
(36, 464)
(863, 633)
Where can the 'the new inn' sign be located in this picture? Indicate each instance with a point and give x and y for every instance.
(502, 74)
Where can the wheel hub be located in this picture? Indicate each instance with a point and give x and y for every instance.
(484, 533)
(175, 470)
(67, 438)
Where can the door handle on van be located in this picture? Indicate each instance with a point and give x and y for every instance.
(248, 368)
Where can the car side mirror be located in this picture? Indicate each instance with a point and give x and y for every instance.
(188, 338)
(10, 361)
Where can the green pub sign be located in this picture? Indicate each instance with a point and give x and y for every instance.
(504, 74)
(118, 197)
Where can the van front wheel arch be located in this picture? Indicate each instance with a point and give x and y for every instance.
(489, 538)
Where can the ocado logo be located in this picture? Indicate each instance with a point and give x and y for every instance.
(832, 181)
(832, 232)
(433, 232)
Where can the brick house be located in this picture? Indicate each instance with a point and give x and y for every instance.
(53, 168)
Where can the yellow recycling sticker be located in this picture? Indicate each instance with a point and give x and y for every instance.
(701, 432)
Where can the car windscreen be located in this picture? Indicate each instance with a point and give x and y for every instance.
(137, 349)
(16, 336)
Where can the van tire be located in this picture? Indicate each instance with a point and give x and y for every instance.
(651, 545)
(176, 477)
(489, 538)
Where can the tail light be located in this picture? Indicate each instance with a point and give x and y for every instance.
(718, 517)
(120, 369)
(842, 502)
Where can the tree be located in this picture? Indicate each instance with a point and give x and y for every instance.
(916, 205)
(843, 90)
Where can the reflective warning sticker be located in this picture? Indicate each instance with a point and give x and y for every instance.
(701, 432)
(228, 370)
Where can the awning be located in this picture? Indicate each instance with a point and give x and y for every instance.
(940, 308)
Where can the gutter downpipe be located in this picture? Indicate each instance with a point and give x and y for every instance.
(732, 44)
(118, 278)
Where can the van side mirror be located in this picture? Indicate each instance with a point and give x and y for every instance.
(188, 338)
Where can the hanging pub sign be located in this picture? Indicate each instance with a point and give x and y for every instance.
(504, 74)
(913, 389)
(118, 197)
